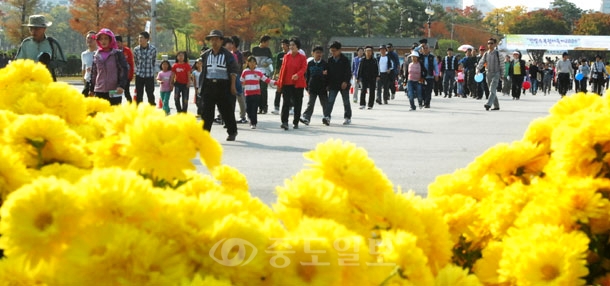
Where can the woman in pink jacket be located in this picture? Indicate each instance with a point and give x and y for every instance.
(109, 70)
(291, 82)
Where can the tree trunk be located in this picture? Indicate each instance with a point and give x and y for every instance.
(175, 39)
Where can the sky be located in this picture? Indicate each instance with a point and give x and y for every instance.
(582, 4)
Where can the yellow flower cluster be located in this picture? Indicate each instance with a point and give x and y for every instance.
(536, 211)
(100, 195)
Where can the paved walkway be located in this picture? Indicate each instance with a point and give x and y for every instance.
(411, 147)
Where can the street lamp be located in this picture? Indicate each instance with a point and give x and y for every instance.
(402, 17)
(429, 11)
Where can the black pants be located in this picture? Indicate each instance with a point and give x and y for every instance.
(87, 88)
(295, 95)
(128, 93)
(218, 93)
(393, 77)
(563, 80)
(147, 83)
(252, 102)
(448, 82)
(311, 103)
(598, 84)
(370, 86)
(264, 97)
(517, 85)
(385, 80)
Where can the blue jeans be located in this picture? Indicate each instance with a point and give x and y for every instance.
(332, 95)
(414, 89)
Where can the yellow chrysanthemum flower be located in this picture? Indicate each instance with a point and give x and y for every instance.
(459, 213)
(66, 172)
(114, 254)
(577, 103)
(321, 252)
(7, 117)
(120, 196)
(70, 107)
(231, 180)
(400, 248)
(462, 182)
(197, 184)
(498, 212)
(207, 280)
(13, 173)
(15, 272)
(95, 105)
(582, 198)
(455, 275)
(582, 150)
(521, 161)
(20, 78)
(487, 267)
(350, 167)
(45, 139)
(301, 197)
(38, 219)
(544, 255)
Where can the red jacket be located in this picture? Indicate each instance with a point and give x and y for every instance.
(130, 61)
(291, 63)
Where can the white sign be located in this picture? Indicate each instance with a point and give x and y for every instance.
(555, 42)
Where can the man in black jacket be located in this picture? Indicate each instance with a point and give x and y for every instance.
(339, 75)
(217, 84)
(316, 84)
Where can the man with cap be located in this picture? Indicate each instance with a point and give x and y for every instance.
(386, 69)
(395, 70)
(469, 62)
(145, 56)
(39, 47)
(130, 62)
(598, 75)
(217, 84)
(448, 67)
(565, 73)
(494, 69)
(86, 58)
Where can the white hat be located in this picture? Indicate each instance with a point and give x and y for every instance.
(414, 54)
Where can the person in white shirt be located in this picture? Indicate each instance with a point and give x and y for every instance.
(385, 76)
(86, 58)
(598, 75)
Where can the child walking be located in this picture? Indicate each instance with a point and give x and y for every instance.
(109, 69)
(250, 79)
(180, 81)
(164, 77)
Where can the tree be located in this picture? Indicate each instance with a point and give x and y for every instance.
(174, 15)
(245, 18)
(17, 16)
(571, 13)
(133, 14)
(71, 41)
(465, 26)
(593, 24)
(504, 18)
(541, 22)
(94, 15)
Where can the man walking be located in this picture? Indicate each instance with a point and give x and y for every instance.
(432, 72)
(145, 55)
(217, 84)
(86, 58)
(598, 75)
(395, 69)
(494, 69)
(339, 75)
(448, 67)
(564, 74)
(385, 74)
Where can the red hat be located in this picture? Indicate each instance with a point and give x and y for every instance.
(481, 48)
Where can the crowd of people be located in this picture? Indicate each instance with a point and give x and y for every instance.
(225, 78)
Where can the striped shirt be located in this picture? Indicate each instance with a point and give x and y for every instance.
(251, 80)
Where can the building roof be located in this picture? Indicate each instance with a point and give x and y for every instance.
(398, 43)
